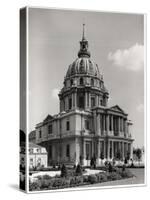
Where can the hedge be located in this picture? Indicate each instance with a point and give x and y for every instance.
(46, 182)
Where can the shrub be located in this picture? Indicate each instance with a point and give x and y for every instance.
(58, 182)
(78, 170)
(110, 168)
(44, 183)
(33, 186)
(92, 179)
(114, 176)
(85, 178)
(101, 177)
(78, 180)
(46, 176)
(126, 174)
(64, 171)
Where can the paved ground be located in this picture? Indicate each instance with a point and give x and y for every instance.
(138, 179)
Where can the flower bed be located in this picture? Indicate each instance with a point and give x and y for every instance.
(46, 182)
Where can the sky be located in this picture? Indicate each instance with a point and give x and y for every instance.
(116, 43)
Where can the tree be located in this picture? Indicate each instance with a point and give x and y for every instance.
(64, 171)
(139, 154)
(78, 170)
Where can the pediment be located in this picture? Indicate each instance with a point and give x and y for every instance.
(116, 108)
(49, 117)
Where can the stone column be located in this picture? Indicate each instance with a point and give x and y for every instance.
(98, 124)
(112, 149)
(58, 126)
(103, 121)
(131, 151)
(98, 149)
(84, 152)
(97, 100)
(86, 99)
(122, 124)
(89, 100)
(118, 125)
(73, 101)
(108, 150)
(104, 150)
(126, 129)
(123, 150)
(112, 127)
(107, 124)
(95, 122)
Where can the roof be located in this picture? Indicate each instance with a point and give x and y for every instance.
(32, 134)
(33, 145)
(49, 117)
(84, 66)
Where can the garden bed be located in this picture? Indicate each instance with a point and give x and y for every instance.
(46, 182)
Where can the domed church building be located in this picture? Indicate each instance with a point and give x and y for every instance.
(86, 127)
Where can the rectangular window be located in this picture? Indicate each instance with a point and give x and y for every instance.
(38, 150)
(50, 129)
(101, 102)
(92, 101)
(31, 160)
(81, 102)
(68, 150)
(87, 124)
(67, 125)
(40, 133)
(70, 103)
(88, 150)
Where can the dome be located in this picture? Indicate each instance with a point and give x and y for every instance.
(83, 65)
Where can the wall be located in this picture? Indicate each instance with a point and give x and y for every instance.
(35, 158)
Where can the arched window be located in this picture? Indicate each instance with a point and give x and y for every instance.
(92, 82)
(81, 81)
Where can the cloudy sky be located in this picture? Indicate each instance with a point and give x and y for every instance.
(116, 45)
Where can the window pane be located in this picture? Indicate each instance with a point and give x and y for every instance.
(67, 125)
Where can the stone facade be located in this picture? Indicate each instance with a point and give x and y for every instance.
(37, 156)
(86, 126)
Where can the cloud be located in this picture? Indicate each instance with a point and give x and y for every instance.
(140, 108)
(130, 59)
(55, 93)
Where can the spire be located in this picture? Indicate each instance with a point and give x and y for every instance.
(83, 52)
(83, 34)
